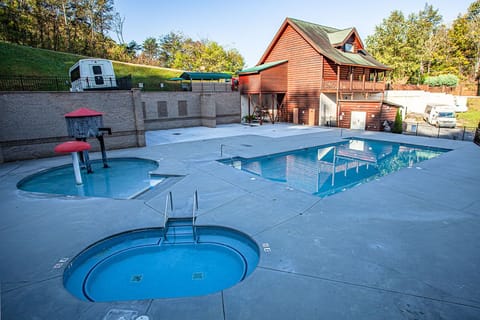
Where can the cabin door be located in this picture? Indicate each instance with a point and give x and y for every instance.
(358, 120)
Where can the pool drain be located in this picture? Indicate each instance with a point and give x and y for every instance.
(136, 278)
(198, 276)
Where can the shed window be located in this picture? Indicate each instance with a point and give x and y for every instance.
(162, 109)
(182, 108)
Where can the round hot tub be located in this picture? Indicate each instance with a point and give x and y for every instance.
(149, 264)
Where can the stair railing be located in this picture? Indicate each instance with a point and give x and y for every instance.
(168, 204)
(194, 211)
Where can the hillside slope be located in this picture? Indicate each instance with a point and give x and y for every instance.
(20, 60)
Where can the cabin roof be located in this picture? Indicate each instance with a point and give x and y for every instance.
(323, 39)
(340, 36)
(261, 67)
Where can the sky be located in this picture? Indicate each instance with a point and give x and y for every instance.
(250, 25)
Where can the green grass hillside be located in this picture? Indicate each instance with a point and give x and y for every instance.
(472, 117)
(27, 61)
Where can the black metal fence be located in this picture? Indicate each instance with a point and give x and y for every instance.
(33, 83)
(426, 130)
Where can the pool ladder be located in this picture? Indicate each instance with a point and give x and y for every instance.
(179, 227)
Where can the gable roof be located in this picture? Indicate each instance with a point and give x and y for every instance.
(261, 67)
(323, 39)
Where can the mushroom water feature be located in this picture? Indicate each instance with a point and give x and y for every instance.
(74, 147)
(86, 123)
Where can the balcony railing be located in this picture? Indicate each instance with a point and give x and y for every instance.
(347, 85)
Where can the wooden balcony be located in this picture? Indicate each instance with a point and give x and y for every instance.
(353, 86)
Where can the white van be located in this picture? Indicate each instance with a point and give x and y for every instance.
(440, 116)
(92, 74)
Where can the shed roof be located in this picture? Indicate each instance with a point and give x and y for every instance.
(261, 67)
(205, 76)
(323, 39)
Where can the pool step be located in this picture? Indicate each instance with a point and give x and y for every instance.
(179, 230)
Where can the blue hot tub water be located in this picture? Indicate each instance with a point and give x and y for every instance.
(125, 178)
(328, 169)
(139, 265)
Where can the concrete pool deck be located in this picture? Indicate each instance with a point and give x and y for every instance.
(405, 246)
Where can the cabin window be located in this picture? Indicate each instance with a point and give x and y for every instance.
(182, 108)
(75, 74)
(97, 69)
(348, 47)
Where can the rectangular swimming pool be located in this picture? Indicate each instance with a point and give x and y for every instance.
(328, 169)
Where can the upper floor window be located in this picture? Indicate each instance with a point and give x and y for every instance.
(348, 47)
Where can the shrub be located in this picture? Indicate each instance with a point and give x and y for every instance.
(398, 124)
(449, 80)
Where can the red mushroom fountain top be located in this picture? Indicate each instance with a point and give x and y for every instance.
(72, 146)
(83, 112)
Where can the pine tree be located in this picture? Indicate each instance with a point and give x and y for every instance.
(398, 124)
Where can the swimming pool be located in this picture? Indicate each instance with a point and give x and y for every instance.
(147, 264)
(328, 169)
(124, 179)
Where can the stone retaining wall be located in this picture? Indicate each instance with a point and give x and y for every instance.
(33, 123)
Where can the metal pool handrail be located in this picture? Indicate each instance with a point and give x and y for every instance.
(194, 210)
(168, 200)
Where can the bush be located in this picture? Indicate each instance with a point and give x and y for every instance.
(398, 124)
(449, 80)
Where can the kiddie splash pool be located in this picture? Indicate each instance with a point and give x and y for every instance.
(151, 264)
(125, 178)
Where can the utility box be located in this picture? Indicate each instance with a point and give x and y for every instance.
(295, 116)
(311, 116)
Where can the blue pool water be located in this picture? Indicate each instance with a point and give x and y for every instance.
(125, 178)
(328, 169)
(140, 265)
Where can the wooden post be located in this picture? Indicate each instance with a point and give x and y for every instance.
(338, 96)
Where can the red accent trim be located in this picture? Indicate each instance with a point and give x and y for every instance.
(72, 146)
(83, 112)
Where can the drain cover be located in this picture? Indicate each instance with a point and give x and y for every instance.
(136, 278)
(119, 314)
(176, 133)
(198, 276)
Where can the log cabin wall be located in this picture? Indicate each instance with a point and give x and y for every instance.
(388, 113)
(329, 70)
(304, 71)
(250, 83)
(275, 79)
(373, 111)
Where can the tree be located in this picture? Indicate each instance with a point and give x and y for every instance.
(150, 51)
(388, 45)
(117, 23)
(406, 45)
(170, 45)
(398, 124)
(180, 52)
(420, 33)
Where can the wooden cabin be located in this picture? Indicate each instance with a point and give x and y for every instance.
(316, 75)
